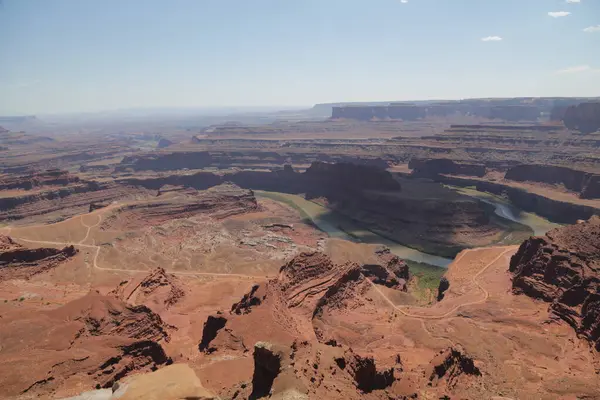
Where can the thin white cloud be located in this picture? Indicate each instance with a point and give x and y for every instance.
(573, 1)
(592, 29)
(575, 70)
(558, 14)
(491, 39)
(403, 1)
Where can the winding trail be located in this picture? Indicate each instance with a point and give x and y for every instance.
(89, 227)
(422, 318)
(456, 308)
(97, 254)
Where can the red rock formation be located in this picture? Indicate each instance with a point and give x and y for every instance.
(585, 183)
(305, 371)
(219, 201)
(95, 340)
(563, 268)
(255, 297)
(157, 289)
(53, 177)
(365, 373)
(450, 366)
(307, 287)
(18, 262)
(212, 326)
(70, 200)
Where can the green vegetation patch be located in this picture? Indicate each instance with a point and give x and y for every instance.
(425, 280)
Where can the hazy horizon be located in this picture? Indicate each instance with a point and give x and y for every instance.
(67, 56)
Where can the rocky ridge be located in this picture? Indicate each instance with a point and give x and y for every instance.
(18, 262)
(95, 340)
(157, 289)
(563, 268)
(585, 184)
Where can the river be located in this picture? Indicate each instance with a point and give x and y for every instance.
(505, 209)
(339, 226)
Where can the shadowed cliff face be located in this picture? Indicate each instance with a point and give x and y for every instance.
(433, 167)
(584, 117)
(350, 176)
(411, 112)
(584, 183)
(563, 268)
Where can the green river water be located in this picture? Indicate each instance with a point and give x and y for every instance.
(340, 226)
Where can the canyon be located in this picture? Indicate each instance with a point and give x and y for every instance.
(427, 250)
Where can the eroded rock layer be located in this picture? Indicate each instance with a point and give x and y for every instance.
(563, 268)
(95, 340)
(18, 262)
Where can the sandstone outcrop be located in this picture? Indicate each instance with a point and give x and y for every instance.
(442, 287)
(71, 199)
(219, 202)
(157, 290)
(563, 268)
(38, 179)
(212, 326)
(18, 262)
(304, 371)
(253, 298)
(365, 373)
(308, 289)
(95, 340)
(450, 366)
(586, 184)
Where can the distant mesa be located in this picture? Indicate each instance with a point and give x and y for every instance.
(584, 117)
(501, 110)
(509, 110)
(16, 119)
(408, 112)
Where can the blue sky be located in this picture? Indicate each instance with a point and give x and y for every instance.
(83, 55)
